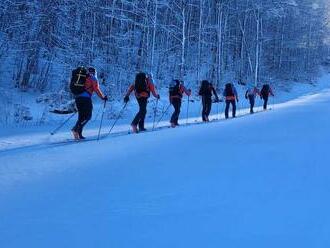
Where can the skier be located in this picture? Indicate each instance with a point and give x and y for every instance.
(231, 97)
(250, 94)
(206, 90)
(266, 90)
(142, 87)
(176, 91)
(84, 102)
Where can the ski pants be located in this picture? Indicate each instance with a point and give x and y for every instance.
(85, 108)
(207, 105)
(233, 103)
(265, 102)
(252, 102)
(141, 115)
(176, 102)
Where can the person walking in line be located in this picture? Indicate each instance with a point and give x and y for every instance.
(84, 100)
(251, 94)
(176, 91)
(206, 91)
(265, 92)
(230, 95)
(142, 87)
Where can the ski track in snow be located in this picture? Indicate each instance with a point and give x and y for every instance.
(257, 181)
(39, 141)
(45, 140)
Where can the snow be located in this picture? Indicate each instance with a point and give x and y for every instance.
(256, 181)
(34, 134)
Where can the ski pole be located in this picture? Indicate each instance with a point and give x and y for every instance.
(188, 110)
(114, 123)
(98, 113)
(155, 112)
(104, 105)
(62, 124)
(238, 108)
(164, 112)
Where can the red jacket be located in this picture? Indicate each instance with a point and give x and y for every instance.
(92, 85)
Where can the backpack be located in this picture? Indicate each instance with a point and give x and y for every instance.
(205, 88)
(229, 91)
(78, 80)
(140, 84)
(174, 88)
(265, 90)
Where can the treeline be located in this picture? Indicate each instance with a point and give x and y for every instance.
(239, 40)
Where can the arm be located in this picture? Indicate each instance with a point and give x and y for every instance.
(215, 93)
(130, 89)
(184, 89)
(96, 88)
(153, 89)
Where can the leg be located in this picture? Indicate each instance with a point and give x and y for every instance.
(176, 102)
(178, 108)
(208, 109)
(88, 110)
(233, 103)
(173, 115)
(84, 106)
(80, 108)
(252, 100)
(265, 102)
(139, 114)
(143, 111)
(204, 108)
(227, 108)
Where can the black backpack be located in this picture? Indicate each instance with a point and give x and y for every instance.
(229, 91)
(140, 84)
(78, 80)
(205, 88)
(174, 88)
(265, 90)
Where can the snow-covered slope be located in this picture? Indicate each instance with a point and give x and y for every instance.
(16, 137)
(256, 181)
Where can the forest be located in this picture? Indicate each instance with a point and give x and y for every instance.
(241, 41)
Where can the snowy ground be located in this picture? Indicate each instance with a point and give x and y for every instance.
(256, 181)
(43, 122)
(31, 134)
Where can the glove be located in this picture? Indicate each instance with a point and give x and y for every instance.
(158, 96)
(237, 100)
(105, 98)
(126, 99)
